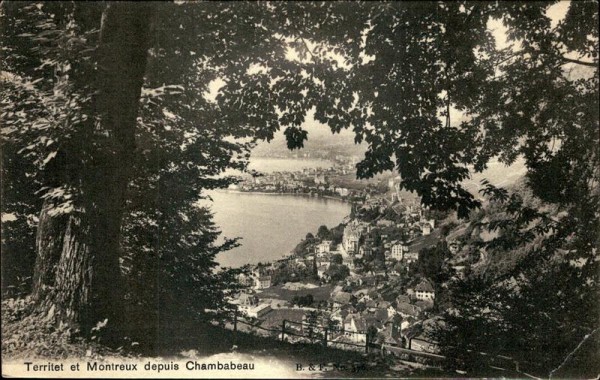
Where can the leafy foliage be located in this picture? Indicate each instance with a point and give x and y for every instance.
(306, 300)
(168, 241)
(42, 117)
(337, 272)
(323, 233)
(533, 282)
(26, 334)
(431, 263)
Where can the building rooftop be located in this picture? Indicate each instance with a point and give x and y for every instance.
(342, 297)
(408, 309)
(424, 286)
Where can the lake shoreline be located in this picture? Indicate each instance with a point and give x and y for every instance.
(278, 193)
(270, 225)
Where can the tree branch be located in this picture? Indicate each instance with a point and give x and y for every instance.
(570, 60)
(475, 9)
(585, 338)
(562, 58)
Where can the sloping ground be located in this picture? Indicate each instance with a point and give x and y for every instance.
(320, 293)
(195, 351)
(283, 358)
(274, 318)
(584, 360)
(425, 241)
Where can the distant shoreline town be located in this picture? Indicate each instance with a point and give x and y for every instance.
(308, 195)
(336, 182)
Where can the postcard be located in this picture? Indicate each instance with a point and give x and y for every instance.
(300, 189)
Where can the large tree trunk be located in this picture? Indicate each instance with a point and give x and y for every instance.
(49, 246)
(78, 257)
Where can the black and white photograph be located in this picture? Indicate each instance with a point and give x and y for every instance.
(300, 189)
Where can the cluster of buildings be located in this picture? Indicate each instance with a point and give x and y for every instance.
(382, 294)
(384, 300)
(400, 321)
(256, 279)
(394, 320)
(312, 181)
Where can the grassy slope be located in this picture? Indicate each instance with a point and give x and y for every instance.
(30, 337)
(319, 294)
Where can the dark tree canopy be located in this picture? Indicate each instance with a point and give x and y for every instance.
(323, 233)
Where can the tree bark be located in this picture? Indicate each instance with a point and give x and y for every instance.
(78, 255)
(49, 245)
(74, 275)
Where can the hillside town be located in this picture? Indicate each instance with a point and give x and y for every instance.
(380, 276)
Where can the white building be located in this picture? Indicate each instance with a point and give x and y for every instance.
(352, 234)
(424, 291)
(259, 311)
(355, 328)
(324, 246)
(319, 179)
(426, 229)
(397, 251)
(342, 191)
(263, 282)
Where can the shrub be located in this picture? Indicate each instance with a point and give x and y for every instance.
(28, 334)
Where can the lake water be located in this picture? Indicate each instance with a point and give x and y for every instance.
(270, 225)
